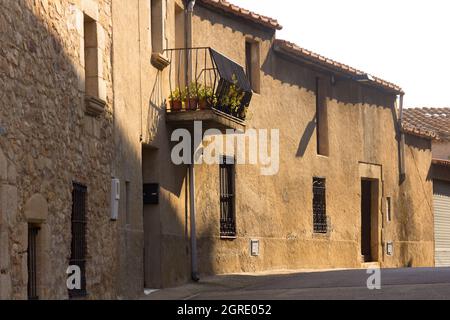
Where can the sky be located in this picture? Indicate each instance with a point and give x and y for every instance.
(406, 42)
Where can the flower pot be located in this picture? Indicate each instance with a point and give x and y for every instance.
(176, 105)
(191, 104)
(203, 104)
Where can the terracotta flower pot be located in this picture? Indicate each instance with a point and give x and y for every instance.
(191, 104)
(175, 105)
(203, 104)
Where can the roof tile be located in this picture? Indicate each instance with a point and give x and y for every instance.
(244, 13)
(435, 120)
(297, 50)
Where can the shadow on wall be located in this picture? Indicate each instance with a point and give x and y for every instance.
(156, 110)
(343, 90)
(306, 138)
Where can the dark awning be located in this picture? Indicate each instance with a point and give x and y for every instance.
(227, 68)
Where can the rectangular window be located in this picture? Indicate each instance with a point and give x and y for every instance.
(79, 244)
(252, 64)
(157, 25)
(321, 119)
(32, 262)
(389, 209)
(319, 206)
(91, 58)
(227, 199)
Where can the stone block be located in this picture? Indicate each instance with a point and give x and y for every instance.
(5, 287)
(3, 167)
(4, 250)
(90, 8)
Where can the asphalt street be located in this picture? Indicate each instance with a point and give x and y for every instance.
(394, 284)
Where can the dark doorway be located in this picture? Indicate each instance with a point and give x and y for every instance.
(366, 220)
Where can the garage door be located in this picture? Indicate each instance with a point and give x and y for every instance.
(442, 223)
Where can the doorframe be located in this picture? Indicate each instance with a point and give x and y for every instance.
(373, 173)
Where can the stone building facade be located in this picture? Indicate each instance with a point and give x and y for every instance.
(51, 138)
(84, 90)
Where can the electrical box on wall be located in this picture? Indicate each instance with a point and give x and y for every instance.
(151, 193)
(254, 248)
(115, 198)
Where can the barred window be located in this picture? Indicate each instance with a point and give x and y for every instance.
(319, 206)
(227, 199)
(79, 245)
(32, 255)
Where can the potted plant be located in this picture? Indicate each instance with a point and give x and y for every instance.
(176, 99)
(233, 99)
(206, 97)
(191, 97)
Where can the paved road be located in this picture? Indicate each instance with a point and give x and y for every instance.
(396, 284)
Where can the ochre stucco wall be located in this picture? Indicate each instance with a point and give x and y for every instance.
(277, 210)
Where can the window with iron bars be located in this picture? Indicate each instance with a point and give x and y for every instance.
(319, 206)
(33, 231)
(227, 199)
(79, 244)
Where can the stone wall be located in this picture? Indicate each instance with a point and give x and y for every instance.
(50, 142)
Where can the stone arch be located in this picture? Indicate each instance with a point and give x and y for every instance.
(36, 214)
(36, 209)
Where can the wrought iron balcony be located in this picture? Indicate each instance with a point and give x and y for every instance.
(207, 86)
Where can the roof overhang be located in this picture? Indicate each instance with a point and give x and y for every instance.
(305, 56)
(224, 6)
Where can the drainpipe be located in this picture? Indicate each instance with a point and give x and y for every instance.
(402, 142)
(191, 170)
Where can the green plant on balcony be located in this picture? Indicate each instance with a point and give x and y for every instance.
(176, 99)
(232, 101)
(206, 97)
(191, 96)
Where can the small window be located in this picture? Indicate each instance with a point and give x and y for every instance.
(32, 256)
(127, 203)
(319, 206)
(79, 244)
(321, 119)
(389, 209)
(157, 25)
(227, 199)
(91, 56)
(252, 64)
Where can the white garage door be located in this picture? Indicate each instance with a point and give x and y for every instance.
(442, 223)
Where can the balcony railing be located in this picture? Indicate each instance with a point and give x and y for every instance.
(212, 82)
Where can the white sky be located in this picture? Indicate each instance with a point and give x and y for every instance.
(406, 42)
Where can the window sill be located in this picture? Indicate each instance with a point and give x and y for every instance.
(159, 61)
(228, 238)
(321, 235)
(94, 106)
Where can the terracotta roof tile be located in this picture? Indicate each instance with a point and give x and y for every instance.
(304, 53)
(445, 163)
(243, 13)
(419, 132)
(436, 120)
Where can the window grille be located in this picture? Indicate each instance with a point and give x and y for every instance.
(79, 245)
(227, 199)
(32, 261)
(319, 206)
